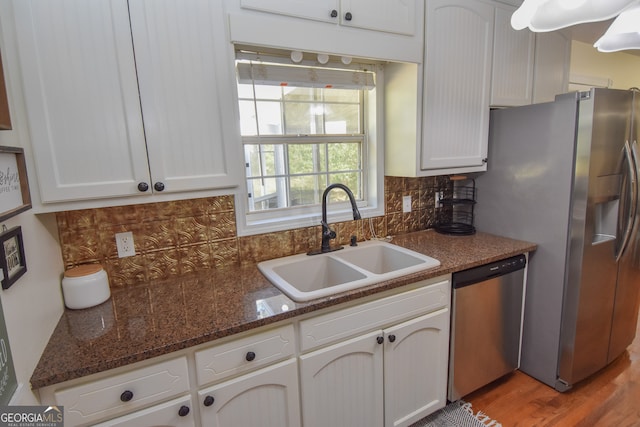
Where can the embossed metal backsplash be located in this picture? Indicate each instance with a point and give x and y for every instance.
(173, 238)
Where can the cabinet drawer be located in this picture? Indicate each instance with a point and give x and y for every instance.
(172, 413)
(337, 325)
(120, 393)
(244, 354)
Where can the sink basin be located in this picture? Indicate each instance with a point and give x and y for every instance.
(382, 259)
(313, 273)
(303, 278)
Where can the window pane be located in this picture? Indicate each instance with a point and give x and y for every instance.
(343, 157)
(351, 180)
(268, 92)
(248, 124)
(342, 95)
(303, 158)
(306, 190)
(303, 118)
(266, 193)
(265, 159)
(269, 118)
(252, 157)
(300, 94)
(245, 91)
(342, 119)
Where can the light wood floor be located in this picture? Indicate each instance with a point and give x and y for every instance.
(611, 398)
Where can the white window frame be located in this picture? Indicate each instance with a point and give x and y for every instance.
(251, 223)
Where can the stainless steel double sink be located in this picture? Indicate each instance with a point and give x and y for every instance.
(303, 278)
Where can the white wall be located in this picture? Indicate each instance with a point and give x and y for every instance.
(623, 69)
(33, 305)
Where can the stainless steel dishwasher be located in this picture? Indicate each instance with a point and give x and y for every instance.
(486, 319)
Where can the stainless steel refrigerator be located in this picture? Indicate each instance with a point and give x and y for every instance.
(564, 175)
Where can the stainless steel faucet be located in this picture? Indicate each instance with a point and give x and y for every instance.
(327, 233)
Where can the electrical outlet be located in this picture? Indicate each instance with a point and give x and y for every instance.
(124, 243)
(439, 195)
(406, 204)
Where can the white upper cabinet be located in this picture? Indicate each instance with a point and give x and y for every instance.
(527, 67)
(319, 10)
(457, 76)
(513, 56)
(394, 16)
(82, 98)
(473, 60)
(186, 90)
(551, 70)
(88, 117)
(389, 30)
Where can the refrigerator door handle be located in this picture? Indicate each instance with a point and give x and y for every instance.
(633, 179)
(634, 238)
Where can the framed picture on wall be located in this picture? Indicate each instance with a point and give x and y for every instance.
(12, 260)
(14, 185)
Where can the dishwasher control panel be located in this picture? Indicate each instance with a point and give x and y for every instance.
(487, 271)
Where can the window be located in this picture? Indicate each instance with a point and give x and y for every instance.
(303, 128)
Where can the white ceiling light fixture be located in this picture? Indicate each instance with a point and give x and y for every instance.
(296, 56)
(551, 15)
(623, 34)
(323, 58)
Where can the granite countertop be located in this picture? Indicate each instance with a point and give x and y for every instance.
(157, 318)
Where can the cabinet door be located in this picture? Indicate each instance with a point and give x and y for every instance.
(393, 16)
(176, 413)
(551, 73)
(266, 398)
(415, 368)
(82, 98)
(320, 10)
(458, 50)
(185, 74)
(513, 54)
(342, 384)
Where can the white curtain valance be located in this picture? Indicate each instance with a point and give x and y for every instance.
(300, 76)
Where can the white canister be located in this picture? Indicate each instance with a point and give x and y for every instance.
(85, 286)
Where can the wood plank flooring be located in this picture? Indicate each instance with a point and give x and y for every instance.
(611, 398)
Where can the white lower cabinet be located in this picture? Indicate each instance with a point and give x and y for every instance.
(389, 366)
(342, 385)
(176, 413)
(117, 394)
(415, 368)
(267, 398)
(390, 377)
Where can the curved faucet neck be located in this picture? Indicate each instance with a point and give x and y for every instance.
(352, 199)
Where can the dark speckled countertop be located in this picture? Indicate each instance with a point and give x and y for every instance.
(150, 320)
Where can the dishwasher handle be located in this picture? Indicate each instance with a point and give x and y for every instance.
(488, 271)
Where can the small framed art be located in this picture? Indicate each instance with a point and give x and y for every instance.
(14, 185)
(12, 260)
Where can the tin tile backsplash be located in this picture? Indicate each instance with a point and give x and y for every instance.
(173, 238)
